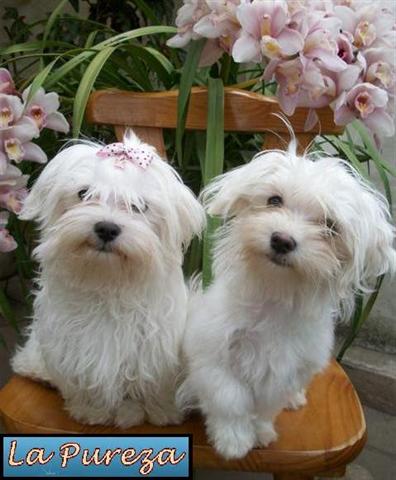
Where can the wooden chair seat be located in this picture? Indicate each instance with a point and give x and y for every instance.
(320, 438)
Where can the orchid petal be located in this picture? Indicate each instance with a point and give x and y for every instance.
(380, 122)
(311, 120)
(248, 17)
(246, 49)
(56, 121)
(330, 60)
(290, 41)
(278, 20)
(25, 129)
(347, 16)
(207, 28)
(179, 40)
(210, 53)
(34, 153)
(3, 162)
(7, 242)
(343, 115)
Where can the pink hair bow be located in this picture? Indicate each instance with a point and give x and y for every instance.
(140, 156)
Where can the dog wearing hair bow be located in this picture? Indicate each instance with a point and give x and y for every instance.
(110, 309)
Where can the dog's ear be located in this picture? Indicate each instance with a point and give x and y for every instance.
(191, 215)
(40, 199)
(226, 196)
(371, 236)
(380, 256)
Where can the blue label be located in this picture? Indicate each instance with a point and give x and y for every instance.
(99, 456)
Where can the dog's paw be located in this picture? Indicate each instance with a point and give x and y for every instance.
(232, 439)
(89, 415)
(129, 414)
(265, 433)
(161, 417)
(297, 400)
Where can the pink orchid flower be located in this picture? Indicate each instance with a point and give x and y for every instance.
(187, 16)
(7, 243)
(381, 68)
(220, 21)
(265, 32)
(16, 145)
(11, 110)
(368, 103)
(369, 25)
(12, 189)
(6, 82)
(42, 109)
(221, 27)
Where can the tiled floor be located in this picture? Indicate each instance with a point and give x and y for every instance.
(376, 462)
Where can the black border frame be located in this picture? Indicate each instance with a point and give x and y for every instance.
(101, 435)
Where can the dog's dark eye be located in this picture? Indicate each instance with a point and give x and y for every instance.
(275, 201)
(331, 226)
(82, 193)
(143, 208)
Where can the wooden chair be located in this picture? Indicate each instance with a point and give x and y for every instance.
(319, 439)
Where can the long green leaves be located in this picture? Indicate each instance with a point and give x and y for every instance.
(361, 314)
(50, 23)
(85, 87)
(6, 311)
(376, 158)
(214, 163)
(115, 42)
(186, 81)
(39, 80)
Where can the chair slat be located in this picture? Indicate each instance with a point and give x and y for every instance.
(243, 111)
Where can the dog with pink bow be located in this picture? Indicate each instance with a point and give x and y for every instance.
(111, 301)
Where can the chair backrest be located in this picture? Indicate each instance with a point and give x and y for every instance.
(150, 112)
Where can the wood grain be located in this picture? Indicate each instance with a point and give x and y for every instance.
(243, 111)
(323, 436)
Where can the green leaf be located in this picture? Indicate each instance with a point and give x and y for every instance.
(50, 23)
(376, 157)
(85, 87)
(39, 80)
(147, 11)
(32, 47)
(156, 61)
(186, 82)
(360, 316)
(114, 41)
(6, 311)
(350, 154)
(214, 164)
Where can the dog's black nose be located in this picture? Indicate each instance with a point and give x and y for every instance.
(282, 242)
(107, 231)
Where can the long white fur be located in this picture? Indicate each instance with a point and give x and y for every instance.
(108, 327)
(260, 332)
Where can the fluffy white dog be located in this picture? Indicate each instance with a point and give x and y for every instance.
(300, 237)
(110, 310)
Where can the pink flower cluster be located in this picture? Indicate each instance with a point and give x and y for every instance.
(320, 52)
(20, 122)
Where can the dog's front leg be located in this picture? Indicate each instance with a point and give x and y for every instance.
(297, 400)
(228, 405)
(266, 411)
(129, 414)
(161, 406)
(89, 407)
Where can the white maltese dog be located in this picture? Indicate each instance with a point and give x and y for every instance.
(300, 237)
(110, 310)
